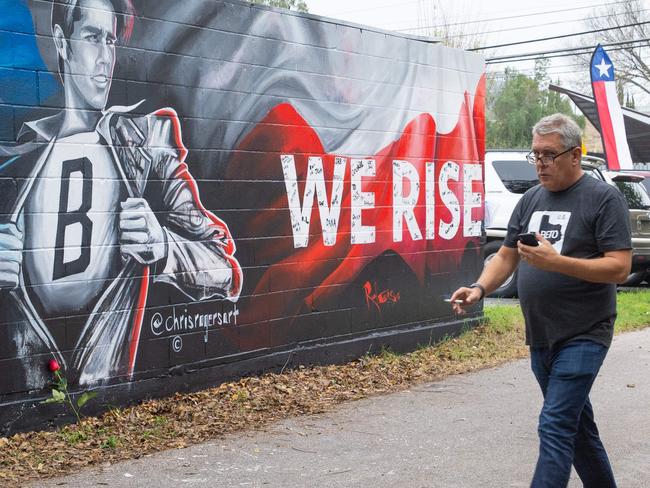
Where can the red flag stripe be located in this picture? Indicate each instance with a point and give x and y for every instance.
(606, 128)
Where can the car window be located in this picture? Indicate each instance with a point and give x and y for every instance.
(593, 173)
(517, 176)
(635, 194)
(646, 183)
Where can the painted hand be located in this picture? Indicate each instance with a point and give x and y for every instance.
(141, 236)
(543, 256)
(11, 256)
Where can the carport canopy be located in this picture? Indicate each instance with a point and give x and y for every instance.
(637, 124)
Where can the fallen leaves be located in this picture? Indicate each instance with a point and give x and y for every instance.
(249, 403)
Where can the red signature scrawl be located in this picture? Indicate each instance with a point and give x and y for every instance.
(379, 298)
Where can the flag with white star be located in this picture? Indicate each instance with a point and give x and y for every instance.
(612, 126)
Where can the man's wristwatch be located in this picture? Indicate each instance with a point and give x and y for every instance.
(480, 287)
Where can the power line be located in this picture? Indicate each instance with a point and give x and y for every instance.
(401, 4)
(502, 77)
(580, 53)
(457, 36)
(527, 72)
(511, 16)
(535, 58)
(526, 27)
(541, 39)
(549, 70)
(374, 7)
(535, 55)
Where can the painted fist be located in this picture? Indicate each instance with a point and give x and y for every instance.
(11, 256)
(141, 236)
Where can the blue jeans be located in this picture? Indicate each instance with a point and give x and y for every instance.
(567, 431)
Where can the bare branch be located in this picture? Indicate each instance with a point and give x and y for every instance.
(631, 69)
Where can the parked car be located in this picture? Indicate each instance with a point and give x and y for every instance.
(636, 193)
(646, 175)
(508, 176)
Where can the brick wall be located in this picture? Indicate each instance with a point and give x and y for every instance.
(193, 191)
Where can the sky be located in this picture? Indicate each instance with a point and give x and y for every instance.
(485, 24)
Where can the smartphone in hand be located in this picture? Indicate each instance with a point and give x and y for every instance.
(528, 239)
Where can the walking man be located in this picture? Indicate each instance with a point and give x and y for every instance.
(567, 291)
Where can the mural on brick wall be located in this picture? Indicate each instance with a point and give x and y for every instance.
(185, 183)
(101, 198)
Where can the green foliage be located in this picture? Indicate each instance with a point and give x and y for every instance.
(633, 310)
(61, 395)
(503, 318)
(516, 108)
(240, 396)
(633, 313)
(110, 442)
(73, 437)
(298, 5)
(159, 420)
(85, 396)
(516, 102)
(57, 397)
(387, 354)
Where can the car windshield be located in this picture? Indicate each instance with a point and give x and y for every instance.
(517, 176)
(635, 194)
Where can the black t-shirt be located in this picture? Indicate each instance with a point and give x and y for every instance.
(583, 221)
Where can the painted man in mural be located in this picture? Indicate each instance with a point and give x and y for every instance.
(102, 202)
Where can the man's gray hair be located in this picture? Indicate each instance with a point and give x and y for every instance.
(569, 131)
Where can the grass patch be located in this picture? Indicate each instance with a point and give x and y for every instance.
(633, 310)
(633, 313)
(184, 419)
(110, 442)
(73, 436)
(503, 319)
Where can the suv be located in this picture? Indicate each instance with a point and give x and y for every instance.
(508, 176)
(646, 174)
(635, 189)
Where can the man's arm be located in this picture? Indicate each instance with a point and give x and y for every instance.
(187, 246)
(502, 265)
(613, 267)
(199, 258)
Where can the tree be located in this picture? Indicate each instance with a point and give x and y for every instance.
(450, 26)
(516, 102)
(298, 5)
(630, 62)
(515, 107)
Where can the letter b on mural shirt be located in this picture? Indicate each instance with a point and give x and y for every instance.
(74, 220)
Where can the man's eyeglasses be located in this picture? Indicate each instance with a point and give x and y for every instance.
(546, 158)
